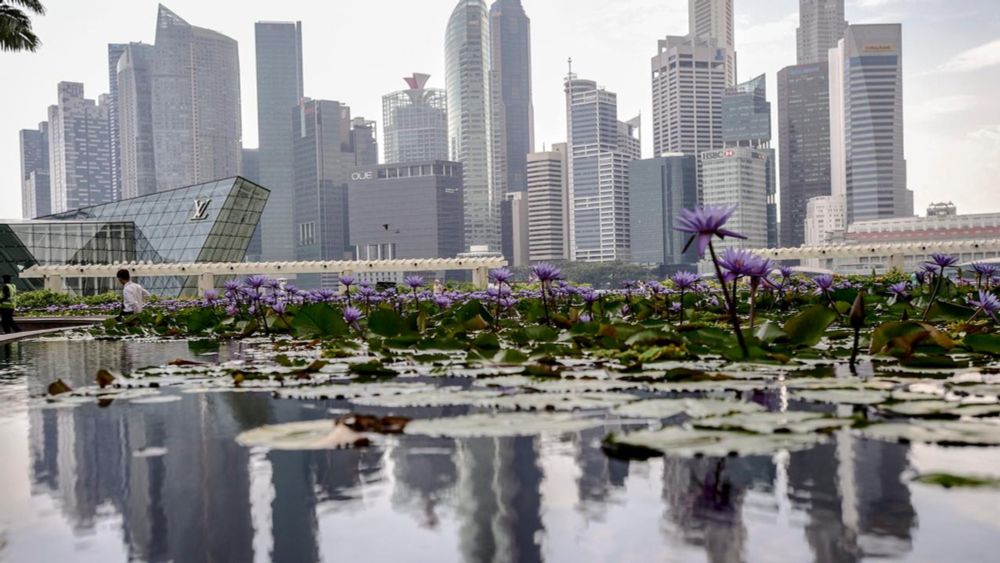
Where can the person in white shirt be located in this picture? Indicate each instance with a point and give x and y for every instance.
(133, 295)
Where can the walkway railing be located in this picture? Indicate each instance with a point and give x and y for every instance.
(206, 272)
(896, 253)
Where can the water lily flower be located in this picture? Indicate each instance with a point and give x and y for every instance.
(255, 282)
(501, 275)
(900, 290)
(347, 280)
(545, 272)
(943, 260)
(738, 262)
(824, 284)
(414, 282)
(685, 280)
(987, 303)
(705, 223)
(279, 308)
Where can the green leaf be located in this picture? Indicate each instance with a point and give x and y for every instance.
(900, 338)
(318, 320)
(983, 343)
(944, 311)
(486, 341)
(385, 322)
(541, 333)
(807, 328)
(770, 332)
(948, 480)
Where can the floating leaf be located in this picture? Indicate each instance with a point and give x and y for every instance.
(983, 343)
(558, 401)
(944, 432)
(332, 392)
(441, 397)
(948, 480)
(807, 327)
(105, 378)
(310, 435)
(319, 320)
(675, 441)
(501, 424)
(843, 396)
(944, 311)
(937, 408)
(900, 338)
(58, 387)
(386, 322)
(695, 408)
(795, 422)
(585, 385)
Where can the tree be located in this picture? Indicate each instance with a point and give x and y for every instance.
(15, 25)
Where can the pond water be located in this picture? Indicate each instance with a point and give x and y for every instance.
(167, 481)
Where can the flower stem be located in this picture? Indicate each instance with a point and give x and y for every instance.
(934, 294)
(730, 304)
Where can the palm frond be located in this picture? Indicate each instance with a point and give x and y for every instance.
(15, 30)
(31, 5)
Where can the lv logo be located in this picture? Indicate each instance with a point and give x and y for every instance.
(200, 209)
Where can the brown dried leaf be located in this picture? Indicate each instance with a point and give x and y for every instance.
(58, 387)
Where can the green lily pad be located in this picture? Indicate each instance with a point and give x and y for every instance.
(440, 397)
(501, 424)
(331, 392)
(983, 343)
(941, 408)
(949, 480)
(558, 401)
(842, 396)
(695, 408)
(807, 327)
(586, 385)
(944, 432)
(675, 441)
(794, 422)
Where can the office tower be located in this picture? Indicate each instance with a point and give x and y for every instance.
(36, 199)
(79, 150)
(804, 144)
(250, 169)
(514, 224)
(430, 223)
(324, 159)
(821, 26)
(470, 119)
(196, 104)
(689, 77)
(137, 158)
(115, 51)
(510, 31)
(278, 48)
(599, 156)
(548, 205)
(659, 188)
(712, 21)
(415, 122)
(866, 113)
(743, 173)
(364, 142)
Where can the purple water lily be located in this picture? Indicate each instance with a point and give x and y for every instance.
(705, 223)
(545, 272)
(347, 280)
(352, 315)
(255, 282)
(943, 260)
(414, 282)
(685, 280)
(501, 276)
(824, 284)
(987, 303)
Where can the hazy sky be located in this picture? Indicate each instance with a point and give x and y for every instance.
(357, 50)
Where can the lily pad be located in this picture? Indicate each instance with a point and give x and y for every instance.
(501, 424)
(794, 422)
(942, 408)
(331, 392)
(585, 385)
(695, 408)
(681, 442)
(441, 397)
(558, 401)
(944, 432)
(843, 396)
(949, 480)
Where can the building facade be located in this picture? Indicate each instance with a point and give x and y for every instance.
(689, 77)
(659, 188)
(364, 141)
(136, 154)
(429, 225)
(825, 220)
(36, 199)
(197, 129)
(115, 52)
(278, 48)
(510, 34)
(548, 205)
(743, 178)
(713, 20)
(471, 113)
(870, 93)
(209, 222)
(415, 122)
(324, 159)
(600, 150)
(746, 114)
(80, 171)
(514, 223)
(804, 144)
(821, 27)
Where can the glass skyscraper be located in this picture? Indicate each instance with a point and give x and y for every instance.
(470, 119)
(659, 188)
(137, 159)
(80, 168)
(821, 26)
(415, 122)
(36, 199)
(510, 32)
(746, 114)
(278, 47)
(197, 129)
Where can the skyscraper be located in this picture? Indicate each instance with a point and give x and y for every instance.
(743, 173)
(115, 51)
(79, 150)
(600, 150)
(514, 223)
(548, 205)
(364, 142)
(689, 77)
(510, 31)
(713, 20)
(197, 130)
(869, 89)
(659, 188)
(821, 26)
(470, 119)
(36, 199)
(278, 48)
(804, 144)
(415, 122)
(137, 158)
(324, 159)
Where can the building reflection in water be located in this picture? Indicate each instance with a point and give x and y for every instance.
(599, 474)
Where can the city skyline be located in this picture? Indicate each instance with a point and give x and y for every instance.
(948, 118)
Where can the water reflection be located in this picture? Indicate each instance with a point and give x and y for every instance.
(479, 500)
